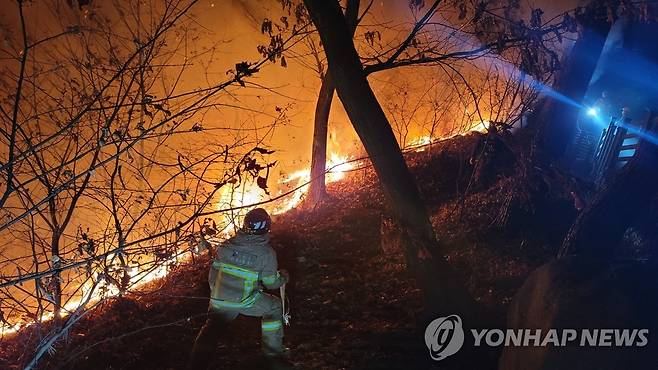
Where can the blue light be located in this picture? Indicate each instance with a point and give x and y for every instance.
(593, 112)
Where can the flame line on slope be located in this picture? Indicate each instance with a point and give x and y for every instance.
(10, 329)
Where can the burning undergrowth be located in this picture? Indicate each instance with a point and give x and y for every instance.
(353, 305)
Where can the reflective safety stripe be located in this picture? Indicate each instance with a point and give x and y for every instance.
(248, 276)
(269, 280)
(238, 271)
(271, 325)
(248, 288)
(218, 303)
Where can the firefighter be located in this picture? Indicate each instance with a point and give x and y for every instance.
(243, 266)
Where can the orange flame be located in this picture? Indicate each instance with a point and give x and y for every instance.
(242, 198)
(250, 194)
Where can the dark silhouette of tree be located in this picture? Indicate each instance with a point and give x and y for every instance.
(444, 292)
(524, 47)
(317, 189)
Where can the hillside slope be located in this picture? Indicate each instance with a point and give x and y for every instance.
(353, 305)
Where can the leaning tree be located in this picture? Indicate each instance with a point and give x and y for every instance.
(486, 67)
(349, 73)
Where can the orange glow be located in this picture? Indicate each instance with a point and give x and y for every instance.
(292, 189)
(104, 289)
(241, 199)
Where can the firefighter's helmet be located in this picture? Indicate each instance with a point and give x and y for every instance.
(257, 222)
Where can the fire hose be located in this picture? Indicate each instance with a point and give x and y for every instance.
(286, 310)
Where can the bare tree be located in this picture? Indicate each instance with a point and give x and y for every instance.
(349, 73)
(372, 126)
(109, 155)
(486, 49)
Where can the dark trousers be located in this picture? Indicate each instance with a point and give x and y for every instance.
(266, 306)
(204, 346)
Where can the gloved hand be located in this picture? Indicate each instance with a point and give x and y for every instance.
(285, 277)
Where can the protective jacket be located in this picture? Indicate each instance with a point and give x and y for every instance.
(244, 264)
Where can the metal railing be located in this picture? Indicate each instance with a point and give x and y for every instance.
(616, 148)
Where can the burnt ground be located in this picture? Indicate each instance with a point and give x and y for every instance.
(353, 304)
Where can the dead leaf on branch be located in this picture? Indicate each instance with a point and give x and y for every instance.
(266, 27)
(262, 150)
(245, 69)
(416, 4)
(262, 183)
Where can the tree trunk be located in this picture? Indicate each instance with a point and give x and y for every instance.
(599, 228)
(443, 291)
(318, 189)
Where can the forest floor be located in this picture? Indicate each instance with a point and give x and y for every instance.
(353, 304)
